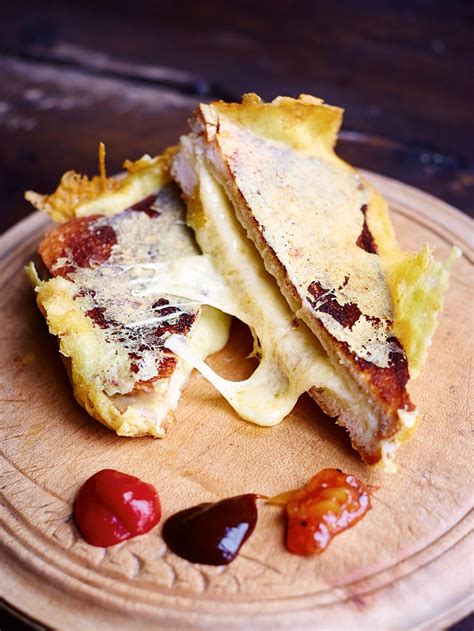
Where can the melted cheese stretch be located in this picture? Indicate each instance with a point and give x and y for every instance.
(144, 410)
(269, 394)
(232, 278)
(292, 360)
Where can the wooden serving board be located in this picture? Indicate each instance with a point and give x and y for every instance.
(407, 565)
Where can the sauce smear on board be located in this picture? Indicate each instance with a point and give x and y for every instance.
(212, 533)
(330, 503)
(112, 506)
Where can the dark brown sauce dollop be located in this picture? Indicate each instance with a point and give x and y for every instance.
(212, 533)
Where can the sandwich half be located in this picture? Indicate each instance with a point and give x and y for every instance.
(231, 276)
(325, 237)
(112, 339)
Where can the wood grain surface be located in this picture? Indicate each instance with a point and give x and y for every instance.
(407, 565)
(128, 73)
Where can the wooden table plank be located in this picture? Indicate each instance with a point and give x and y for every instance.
(53, 119)
(398, 69)
(402, 76)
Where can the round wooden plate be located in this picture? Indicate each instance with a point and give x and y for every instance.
(407, 565)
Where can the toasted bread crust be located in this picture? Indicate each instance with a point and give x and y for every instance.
(384, 384)
(81, 240)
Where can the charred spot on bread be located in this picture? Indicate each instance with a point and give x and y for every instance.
(346, 314)
(82, 242)
(365, 240)
(389, 381)
(97, 315)
(146, 206)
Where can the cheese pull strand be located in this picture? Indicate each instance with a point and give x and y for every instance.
(271, 392)
(192, 278)
(265, 398)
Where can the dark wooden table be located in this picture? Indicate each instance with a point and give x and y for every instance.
(129, 74)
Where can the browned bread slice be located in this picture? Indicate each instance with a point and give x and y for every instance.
(308, 214)
(291, 359)
(112, 336)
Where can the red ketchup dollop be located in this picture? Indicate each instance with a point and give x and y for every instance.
(112, 506)
(331, 502)
(212, 533)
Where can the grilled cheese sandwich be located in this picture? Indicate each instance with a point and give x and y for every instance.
(325, 236)
(293, 242)
(113, 340)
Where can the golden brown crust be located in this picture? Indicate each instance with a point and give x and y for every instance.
(384, 382)
(78, 195)
(73, 191)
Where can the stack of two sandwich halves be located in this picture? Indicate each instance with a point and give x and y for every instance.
(275, 230)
